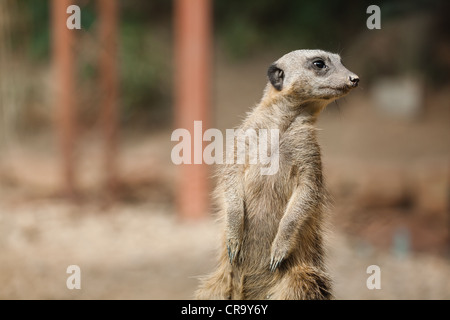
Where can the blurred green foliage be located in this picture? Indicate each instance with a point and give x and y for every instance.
(34, 31)
(249, 26)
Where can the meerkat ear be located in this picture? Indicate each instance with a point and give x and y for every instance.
(276, 76)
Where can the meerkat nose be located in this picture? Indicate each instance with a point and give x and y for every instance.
(354, 79)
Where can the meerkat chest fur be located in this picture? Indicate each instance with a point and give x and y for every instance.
(266, 197)
(296, 150)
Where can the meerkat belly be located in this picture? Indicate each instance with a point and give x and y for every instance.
(266, 198)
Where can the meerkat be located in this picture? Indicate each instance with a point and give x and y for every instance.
(272, 247)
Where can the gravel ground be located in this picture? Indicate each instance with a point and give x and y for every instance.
(144, 252)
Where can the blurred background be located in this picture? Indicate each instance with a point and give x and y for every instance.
(90, 182)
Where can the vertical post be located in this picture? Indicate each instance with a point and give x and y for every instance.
(63, 59)
(192, 97)
(108, 32)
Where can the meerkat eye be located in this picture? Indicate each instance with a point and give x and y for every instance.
(320, 64)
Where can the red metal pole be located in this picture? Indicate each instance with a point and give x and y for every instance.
(63, 59)
(108, 30)
(192, 97)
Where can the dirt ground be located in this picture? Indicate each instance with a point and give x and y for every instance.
(389, 179)
(143, 252)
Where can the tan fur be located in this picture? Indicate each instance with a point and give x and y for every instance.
(272, 245)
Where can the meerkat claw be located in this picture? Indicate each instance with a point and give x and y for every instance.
(232, 249)
(274, 263)
(230, 255)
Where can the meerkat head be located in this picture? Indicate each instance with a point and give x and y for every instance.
(311, 75)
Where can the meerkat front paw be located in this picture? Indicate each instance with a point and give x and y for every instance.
(233, 246)
(278, 253)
